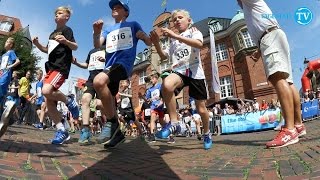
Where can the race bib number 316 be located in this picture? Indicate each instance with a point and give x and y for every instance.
(119, 39)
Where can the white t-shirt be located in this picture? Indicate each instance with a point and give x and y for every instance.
(196, 116)
(255, 12)
(186, 59)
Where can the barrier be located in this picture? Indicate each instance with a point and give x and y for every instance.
(252, 121)
(310, 109)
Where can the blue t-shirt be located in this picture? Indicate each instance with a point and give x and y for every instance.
(153, 93)
(121, 44)
(7, 59)
(40, 97)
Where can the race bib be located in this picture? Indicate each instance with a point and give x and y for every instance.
(94, 63)
(119, 39)
(155, 95)
(52, 45)
(4, 62)
(39, 92)
(147, 112)
(125, 103)
(12, 89)
(98, 112)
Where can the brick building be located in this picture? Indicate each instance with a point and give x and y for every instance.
(239, 75)
(10, 25)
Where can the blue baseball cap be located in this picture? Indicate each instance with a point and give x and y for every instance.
(115, 2)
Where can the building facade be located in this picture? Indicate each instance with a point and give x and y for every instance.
(240, 76)
(10, 25)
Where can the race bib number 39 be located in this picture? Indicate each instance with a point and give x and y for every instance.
(119, 39)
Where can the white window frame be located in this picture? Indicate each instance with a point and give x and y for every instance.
(164, 66)
(226, 87)
(5, 26)
(142, 75)
(221, 52)
(247, 40)
(164, 42)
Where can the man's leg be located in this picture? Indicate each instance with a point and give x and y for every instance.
(297, 112)
(288, 135)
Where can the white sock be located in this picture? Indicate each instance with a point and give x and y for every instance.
(60, 126)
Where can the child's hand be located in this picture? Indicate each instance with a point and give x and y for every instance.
(97, 26)
(74, 60)
(167, 32)
(35, 40)
(154, 37)
(61, 39)
(101, 59)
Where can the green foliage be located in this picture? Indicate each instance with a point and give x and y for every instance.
(24, 53)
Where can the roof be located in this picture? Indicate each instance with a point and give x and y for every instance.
(237, 17)
(26, 33)
(203, 24)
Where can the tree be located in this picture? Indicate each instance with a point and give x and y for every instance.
(24, 52)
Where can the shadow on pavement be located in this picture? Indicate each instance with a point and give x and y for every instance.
(134, 159)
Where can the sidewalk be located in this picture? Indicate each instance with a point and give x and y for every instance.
(26, 154)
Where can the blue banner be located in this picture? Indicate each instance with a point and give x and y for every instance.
(310, 109)
(252, 121)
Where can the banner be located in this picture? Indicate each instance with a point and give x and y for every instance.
(309, 109)
(252, 121)
(214, 65)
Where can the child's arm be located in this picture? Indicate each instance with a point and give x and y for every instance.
(154, 37)
(98, 40)
(189, 41)
(143, 36)
(43, 49)
(16, 63)
(61, 39)
(79, 64)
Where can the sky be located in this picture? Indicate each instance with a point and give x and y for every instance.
(39, 15)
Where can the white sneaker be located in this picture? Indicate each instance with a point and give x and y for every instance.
(9, 108)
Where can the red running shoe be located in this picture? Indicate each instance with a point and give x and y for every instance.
(301, 129)
(284, 138)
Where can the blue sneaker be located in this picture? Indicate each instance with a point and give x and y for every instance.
(38, 126)
(105, 134)
(207, 141)
(60, 137)
(73, 107)
(85, 136)
(167, 130)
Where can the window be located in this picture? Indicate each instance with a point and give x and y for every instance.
(164, 43)
(216, 27)
(164, 66)
(247, 38)
(6, 26)
(221, 52)
(145, 55)
(142, 75)
(242, 40)
(226, 87)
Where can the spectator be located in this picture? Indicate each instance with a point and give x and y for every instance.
(273, 104)
(24, 93)
(255, 105)
(249, 107)
(264, 105)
